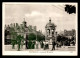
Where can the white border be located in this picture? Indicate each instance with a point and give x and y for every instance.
(57, 53)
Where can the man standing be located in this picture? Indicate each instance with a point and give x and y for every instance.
(53, 43)
(26, 41)
(54, 40)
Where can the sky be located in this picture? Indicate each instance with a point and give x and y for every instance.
(38, 15)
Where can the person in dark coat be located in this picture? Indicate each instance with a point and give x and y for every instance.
(53, 43)
(26, 41)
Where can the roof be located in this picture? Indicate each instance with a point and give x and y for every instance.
(50, 24)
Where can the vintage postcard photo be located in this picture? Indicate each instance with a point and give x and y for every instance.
(33, 28)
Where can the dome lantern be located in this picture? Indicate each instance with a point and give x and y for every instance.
(49, 19)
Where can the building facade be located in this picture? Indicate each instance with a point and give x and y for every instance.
(70, 33)
(7, 35)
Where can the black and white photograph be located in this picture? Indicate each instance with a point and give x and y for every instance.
(33, 28)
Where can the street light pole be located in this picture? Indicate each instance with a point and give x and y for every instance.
(36, 35)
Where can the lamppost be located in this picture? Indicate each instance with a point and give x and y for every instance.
(26, 37)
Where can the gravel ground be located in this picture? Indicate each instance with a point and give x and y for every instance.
(63, 48)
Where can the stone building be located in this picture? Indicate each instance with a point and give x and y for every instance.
(70, 33)
(7, 35)
(50, 32)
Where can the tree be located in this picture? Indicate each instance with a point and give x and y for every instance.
(40, 37)
(13, 37)
(13, 40)
(31, 36)
(19, 39)
(31, 39)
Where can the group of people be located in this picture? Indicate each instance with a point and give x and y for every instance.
(63, 41)
(39, 45)
(42, 44)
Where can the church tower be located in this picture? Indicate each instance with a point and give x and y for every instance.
(25, 23)
(25, 32)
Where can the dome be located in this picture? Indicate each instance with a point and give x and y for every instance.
(50, 24)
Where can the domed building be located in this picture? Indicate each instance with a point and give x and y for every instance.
(50, 32)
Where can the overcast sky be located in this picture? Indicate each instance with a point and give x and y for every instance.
(38, 15)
